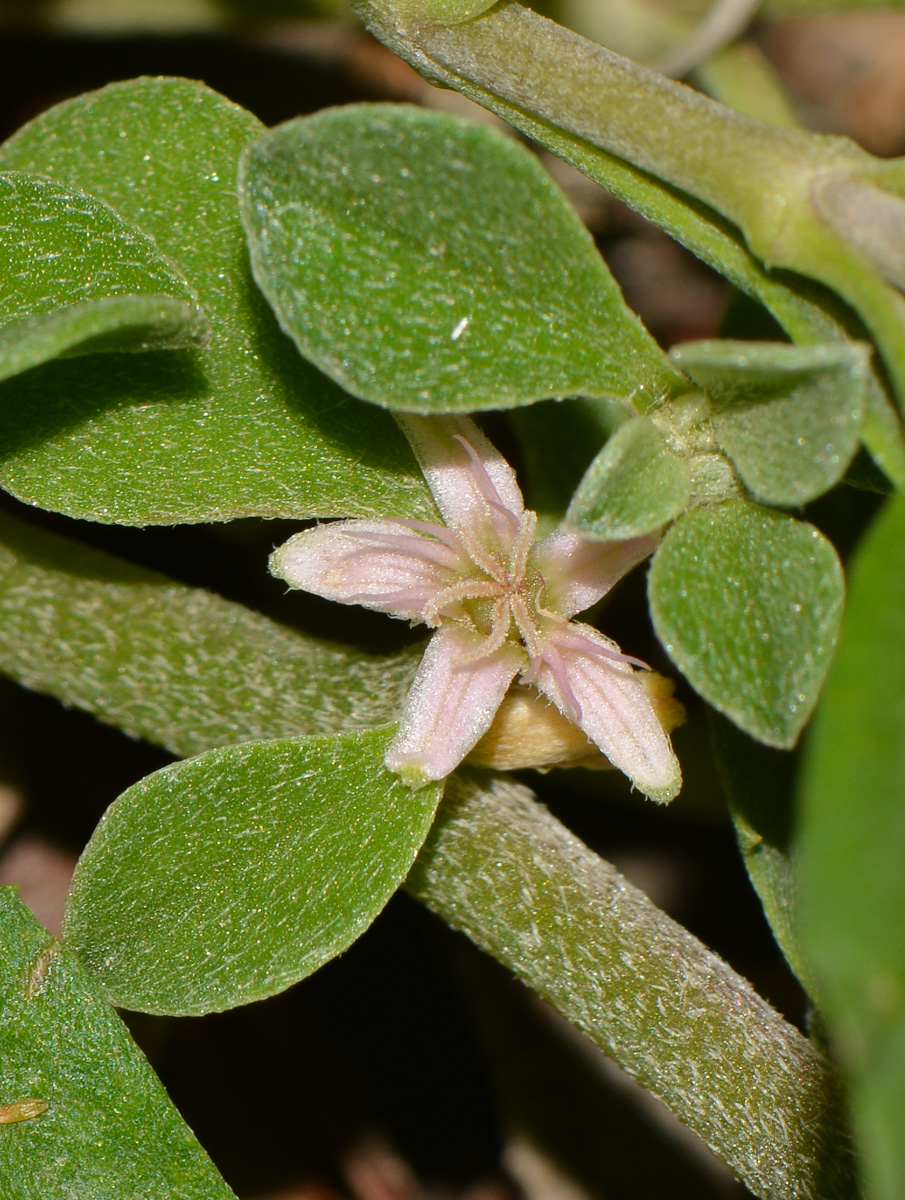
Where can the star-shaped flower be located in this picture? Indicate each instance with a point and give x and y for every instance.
(500, 603)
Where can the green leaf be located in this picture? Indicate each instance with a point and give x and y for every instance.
(851, 834)
(176, 665)
(110, 1131)
(78, 279)
(747, 603)
(243, 427)
(507, 60)
(758, 783)
(634, 485)
(429, 264)
(229, 877)
(557, 442)
(789, 417)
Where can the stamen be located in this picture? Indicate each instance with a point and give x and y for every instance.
(408, 543)
(499, 631)
(486, 486)
(569, 701)
(577, 641)
(518, 560)
(484, 559)
(465, 589)
(526, 626)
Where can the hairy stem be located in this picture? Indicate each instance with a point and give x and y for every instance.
(501, 869)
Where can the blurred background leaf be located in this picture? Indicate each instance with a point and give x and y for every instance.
(850, 839)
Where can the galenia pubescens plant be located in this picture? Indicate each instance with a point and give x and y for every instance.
(427, 266)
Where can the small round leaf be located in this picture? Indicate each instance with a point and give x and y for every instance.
(747, 603)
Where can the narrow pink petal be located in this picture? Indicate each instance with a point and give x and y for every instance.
(615, 711)
(469, 487)
(451, 704)
(380, 564)
(578, 571)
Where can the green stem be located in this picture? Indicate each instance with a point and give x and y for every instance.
(501, 869)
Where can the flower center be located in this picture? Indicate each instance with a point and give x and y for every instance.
(499, 596)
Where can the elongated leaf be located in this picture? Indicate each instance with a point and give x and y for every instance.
(747, 603)
(109, 1131)
(176, 665)
(851, 839)
(429, 264)
(634, 485)
(78, 279)
(789, 417)
(229, 877)
(243, 427)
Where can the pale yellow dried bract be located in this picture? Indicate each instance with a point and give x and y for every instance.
(22, 1110)
(528, 731)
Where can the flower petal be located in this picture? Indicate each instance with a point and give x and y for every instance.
(451, 704)
(578, 571)
(380, 564)
(613, 708)
(473, 490)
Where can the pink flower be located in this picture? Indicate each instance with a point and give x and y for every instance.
(501, 604)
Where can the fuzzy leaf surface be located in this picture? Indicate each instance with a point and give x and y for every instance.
(507, 60)
(77, 279)
(110, 1131)
(789, 417)
(231, 876)
(242, 427)
(747, 603)
(94, 630)
(851, 834)
(634, 485)
(429, 264)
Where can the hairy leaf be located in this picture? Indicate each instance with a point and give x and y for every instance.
(230, 876)
(634, 485)
(244, 427)
(429, 264)
(789, 417)
(77, 279)
(109, 1130)
(747, 603)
